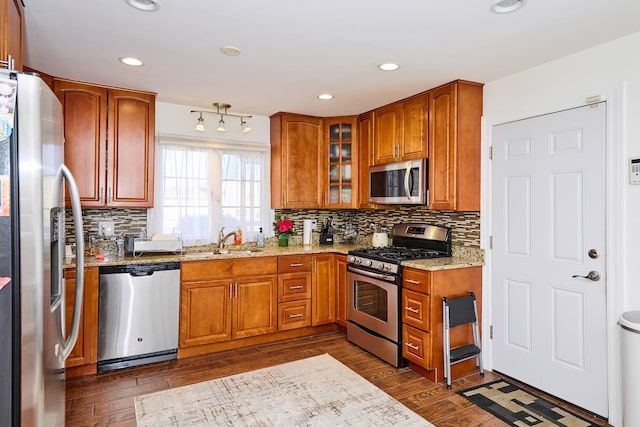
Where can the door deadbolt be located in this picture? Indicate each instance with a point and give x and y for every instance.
(593, 254)
(592, 275)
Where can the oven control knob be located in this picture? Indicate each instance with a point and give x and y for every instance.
(369, 263)
(355, 260)
(387, 267)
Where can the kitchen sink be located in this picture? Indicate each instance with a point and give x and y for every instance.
(222, 252)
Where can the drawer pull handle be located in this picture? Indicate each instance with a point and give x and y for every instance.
(414, 282)
(297, 264)
(413, 310)
(296, 287)
(413, 346)
(293, 316)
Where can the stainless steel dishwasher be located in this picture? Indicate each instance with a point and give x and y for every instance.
(138, 314)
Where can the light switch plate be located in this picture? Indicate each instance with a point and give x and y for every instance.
(105, 228)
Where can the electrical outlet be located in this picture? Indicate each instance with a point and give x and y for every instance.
(105, 228)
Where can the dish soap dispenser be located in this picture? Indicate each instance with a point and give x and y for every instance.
(260, 238)
(237, 238)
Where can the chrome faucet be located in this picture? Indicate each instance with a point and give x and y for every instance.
(224, 237)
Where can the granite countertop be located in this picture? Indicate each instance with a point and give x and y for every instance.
(462, 256)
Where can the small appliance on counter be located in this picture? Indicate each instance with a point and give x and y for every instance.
(156, 244)
(326, 232)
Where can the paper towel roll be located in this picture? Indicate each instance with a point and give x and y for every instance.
(308, 226)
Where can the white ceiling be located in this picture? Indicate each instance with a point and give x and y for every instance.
(293, 50)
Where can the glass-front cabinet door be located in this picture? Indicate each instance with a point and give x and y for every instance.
(341, 144)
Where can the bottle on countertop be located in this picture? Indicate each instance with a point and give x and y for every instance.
(237, 238)
(260, 238)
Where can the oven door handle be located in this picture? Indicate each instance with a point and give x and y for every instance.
(371, 274)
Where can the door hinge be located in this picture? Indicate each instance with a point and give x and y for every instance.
(491, 152)
(490, 332)
(490, 242)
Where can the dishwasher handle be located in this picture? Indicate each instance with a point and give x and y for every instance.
(141, 273)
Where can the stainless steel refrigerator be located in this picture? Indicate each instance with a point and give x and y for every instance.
(33, 345)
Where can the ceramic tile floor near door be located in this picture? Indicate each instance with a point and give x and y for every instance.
(107, 399)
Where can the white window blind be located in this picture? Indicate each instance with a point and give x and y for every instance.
(201, 188)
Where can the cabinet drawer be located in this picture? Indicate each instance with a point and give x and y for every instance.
(255, 266)
(205, 270)
(415, 309)
(294, 286)
(295, 314)
(294, 263)
(416, 280)
(416, 346)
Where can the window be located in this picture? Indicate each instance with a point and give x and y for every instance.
(200, 189)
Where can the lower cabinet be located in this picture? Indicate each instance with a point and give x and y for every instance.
(85, 351)
(323, 289)
(341, 290)
(225, 299)
(422, 329)
(294, 292)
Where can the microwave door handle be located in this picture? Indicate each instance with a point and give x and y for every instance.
(79, 234)
(407, 181)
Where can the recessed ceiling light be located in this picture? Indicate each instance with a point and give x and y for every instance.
(145, 5)
(507, 6)
(325, 96)
(390, 66)
(230, 50)
(130, 60)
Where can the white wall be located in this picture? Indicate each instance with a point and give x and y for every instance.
(611, 70)
(175, 119)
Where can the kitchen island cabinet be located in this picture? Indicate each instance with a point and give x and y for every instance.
(227, 299)
(109, 143)
(455, 112)
(422, 328)
(84, 356)
(297, 161)
(11, 37)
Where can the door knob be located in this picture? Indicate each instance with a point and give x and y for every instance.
(593, 253)
(592, 275)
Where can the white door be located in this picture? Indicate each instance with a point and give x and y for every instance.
(549, 227)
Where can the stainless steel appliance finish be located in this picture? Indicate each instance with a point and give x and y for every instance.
(32, 238)
(399, 183)
(138, 314)
(374, 280)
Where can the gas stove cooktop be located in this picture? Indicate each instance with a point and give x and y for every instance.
(410, 241)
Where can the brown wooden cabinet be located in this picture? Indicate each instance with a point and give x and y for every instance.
(341, 290)
(455, 111)
(11, 26)
(401, 130)
(323, 289)
(109, 143)
(422, 295)
(227, 299)
(296, 161)
(85, 352)
(341, 162)
(294, 291)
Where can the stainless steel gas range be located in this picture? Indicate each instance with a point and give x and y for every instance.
(374, 280)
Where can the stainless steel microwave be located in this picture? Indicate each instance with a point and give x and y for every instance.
(400, 183)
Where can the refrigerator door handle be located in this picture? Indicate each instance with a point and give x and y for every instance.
(79, 233)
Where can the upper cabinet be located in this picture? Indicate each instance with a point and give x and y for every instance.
(296, 161)
(109, 143)
(401, 130)
(455, 112)
(11, 32)
(340, 166)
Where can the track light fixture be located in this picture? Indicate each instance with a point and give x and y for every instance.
(221, 110)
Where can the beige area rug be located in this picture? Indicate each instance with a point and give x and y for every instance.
(318, 391)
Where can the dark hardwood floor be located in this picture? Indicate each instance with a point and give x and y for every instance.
(107, 399)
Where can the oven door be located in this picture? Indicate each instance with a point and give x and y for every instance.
(372, 300)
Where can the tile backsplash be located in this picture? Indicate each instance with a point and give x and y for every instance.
(125, 221)
(465, 226)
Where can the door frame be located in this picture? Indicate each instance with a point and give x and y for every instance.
(614, 185)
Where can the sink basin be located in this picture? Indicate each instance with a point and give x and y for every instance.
(223, 252)
(243, 250)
